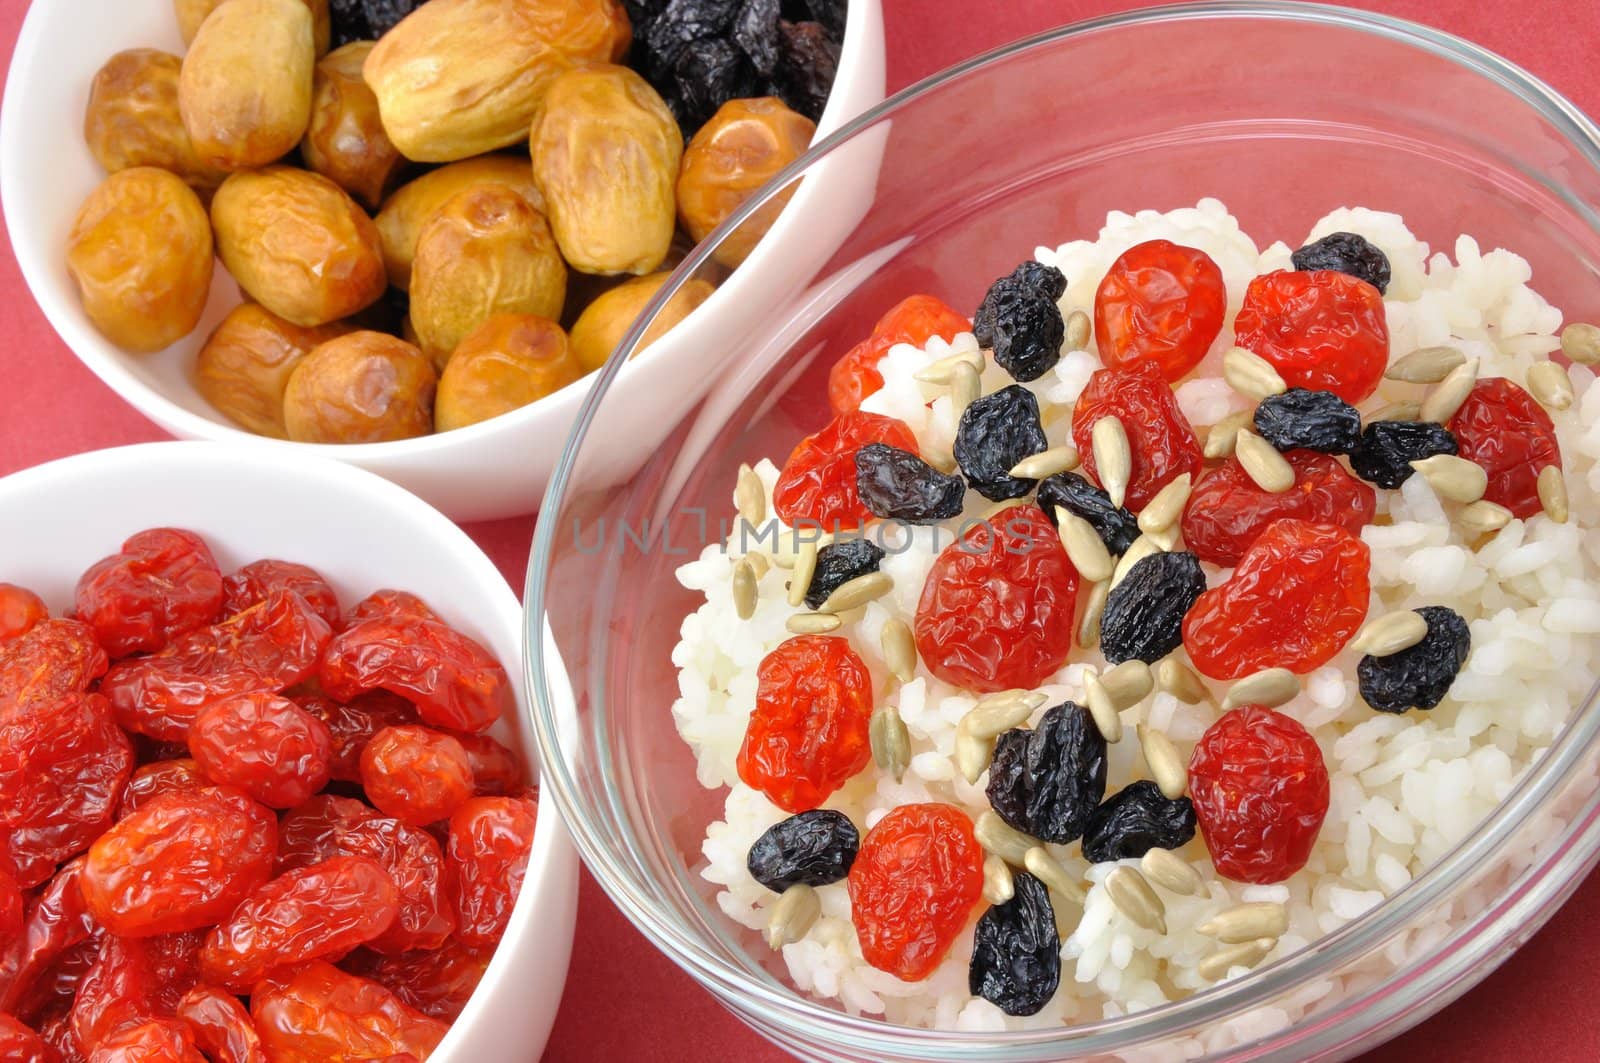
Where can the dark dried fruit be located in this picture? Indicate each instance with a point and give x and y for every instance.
(898, 485)
(808, 61)
(1134, 821)
(1347, 253)
(1420, 676)
(1020, 322)
(1118, 528)
(996, 432)
(385, 15)
(818, 482)
(1388, 448)
(816, 848)
(755, 31)
(1300, 419)
(1016, 950)
(707, 74)
(839, 563)
(1144, 613)
(348, 22)
(1047, 782)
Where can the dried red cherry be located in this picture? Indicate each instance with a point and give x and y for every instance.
(11, 909)
(1227, 509)
(163, 776)
(52, 659)
(496, 771)
(490, 839)
(164, 583)
(18, 1044)
(416, 774)
(1503, 429)
(436, 982)
(1322, 330)
(1160, 437)
(221, 1026)
(155, 1041)
(914, 320)
(452, 680)
(392, 603)
(1160, 302)
(20, 610)
(252, 583)
(316, 1012)
(267, 746)
(818, 482)
(57, 922)
(352, 725)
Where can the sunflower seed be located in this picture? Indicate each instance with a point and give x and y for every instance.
(1106, 718)
(1426, 365)
(856, 592)
(943, 371)
(1251, 375)
(1389, 634)
(988, 718)
(812, 623)
(1268, 688)
(1581, 343)
(972, 755)
(1002, 839)
(1549, 383)
(1113, 457)
(1142, 547)
(1245, 954)
(750, 496)
(1247, 922)
(1178, 679)
(745, 594)
(760, 563)
(1404, 410)
(1223, 434)
(1453, 478)
(1077, 332)
(1093, 605)
(1085, 549)
(1553, 493)
(941, 458)
(998, 887)
(1167, 768)
(1045, 463)
(1135, 899)
(1047, 869)
(1483, 516)
(1444, 400)
(1166, 538)
(899, 649)
(1162, 511)
(1171, 872)
(891, 743)
(1269, 469)
(793, 915)
(805, 566)
(965, 386)
(1128, 683)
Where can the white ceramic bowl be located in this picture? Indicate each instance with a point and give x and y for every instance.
(495, 469)
(362, 533)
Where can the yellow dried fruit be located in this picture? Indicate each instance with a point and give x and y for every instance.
(140, 252)
(605, 155)
(363, 387)
(508, 361)
(245, 364)
(133, 120)
(461, 77)
(605, 321)
(191, 13)
(298, 244)
(345, 141)
(245, 87)
(739, 150)
(485, 252)
(403, 213)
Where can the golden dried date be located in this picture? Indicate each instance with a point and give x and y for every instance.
(245, 364)
(404, 213)
(365, 387)
(193, 12)
(605, 321)
(345, 141)
(739, 150)
(132, 118)
(508, 361)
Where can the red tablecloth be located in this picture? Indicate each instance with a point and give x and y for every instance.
(624, 1000)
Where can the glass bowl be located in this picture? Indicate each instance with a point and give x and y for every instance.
(1284, 111)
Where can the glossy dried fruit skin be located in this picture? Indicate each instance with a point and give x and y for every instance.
(362, 387)
(255, 582)
(316, 1013)
(914, 320)
(351, 726)
(344, 140)
(995, 432)
(1323, 330)
(245, 87)
(808, 62)
(183, 861)
(739, 150)
(221, 1026)
(263, 744)
(416, 774)
(504, 364)
(11, 909)
(437, 982)
(485, 860)
(244, 365)
(1503, 429)
(1348, 253)
(839, 563)
(404, 213)
(898, 485)
(1143, 617)
(496, 769)
(140, 254)
(1116, 527)
(163, 583)
(1309, 420)
(815, 848)
(913, 885)
(817, 486)
(392, 603)
(1299, 593)
(1159, 302)
(155, 1041)
(118, 990)
(452, 680)
(1016, 951)
(1162, 441)
(1227, 509)
(991, 325)
(1260, 791)
(462, 77)
(57, 921)
(53, 658)
(19, 1044)
(1024, 326)
(1047, 781)
(808, 734)
(163, 776)
(191, 13)
(996, 610)
(132, 118)
(20, 611)
(1388, 448)
(604, 322)
(1419, 676)
(298, 244)
(1135, 820)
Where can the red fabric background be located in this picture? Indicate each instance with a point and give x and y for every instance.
(624, 1000)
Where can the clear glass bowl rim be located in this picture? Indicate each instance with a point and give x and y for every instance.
(807, 1020)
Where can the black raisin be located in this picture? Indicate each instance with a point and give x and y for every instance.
(1118, 527)
(755, 31)
(709, 73)
(1047, 782)
(1347, 253)
(898, 485)
(1016, 950)
(816, 848)
(807, 62)
(1136, 820)
(642, 10)
(1420, 676)
(1144, 613)
(1300, 419)
(839, 563)
(831, 13)
(1020, 321)
(385, 15)
(1388, 448)
(347, 21)
(995, 433)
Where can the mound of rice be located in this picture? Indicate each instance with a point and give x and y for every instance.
(1405, 789)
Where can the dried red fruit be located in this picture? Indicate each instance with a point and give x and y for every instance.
(353, 725)
(1160, 437)
(818, 482)
(117, 991)
(62, 769)
(1260, 792)
(914, 320)
(57, 921)
(452, 680)
(182, 861)
(496, 769)
(52, 659)
(20, 610)
(317, 1013)
(163, 776)
(267, 746)
(1321, 329)
(416, 774)
(164, 583)
(1227, 509)
(18, 1044)
(913, 886)
(436, 982)
(254, 582)
(997, 608)
(156, 1041)
(221, 1026)
(392, 603)
(808, 734)
(1297, 596)
(1159, 302)
(11, 910)
(490, 839)
(1503, 429)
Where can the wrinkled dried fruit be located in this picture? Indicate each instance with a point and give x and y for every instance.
(1227, 509)
(316, 1013)
(1502, 428)
(155, 1041)
(56, 943)
(485, 860)
(1135, 820)
(505, 363)
(245, 87)
(437, 982)
(1419, 676)
(839, 563)
(265, 745)
(818, 483)
(733, 155)
(816, 848)
(18, 1044)
(1143, 617)
(416, 774)
(1016, 951)
(162, 584)
(1322, 330)
(602, 325)
(898, 485)
(808, 62)
(1047, 782)
(255, 582)
(496, 770)
(53, 658)
(20, 611)
(1348, 253)
(1160, 302)
(452, 680)
(352, 726)
(11, 909)
(345, 141)
(119, 989)
(1117, 527)
(404, 213)
(362, 387)
(161, 777)
(221, 1026)
(1388, 448)
(191, 13)
(997, 431)
(1310, 420)
(392, 603)
(133, 120)
(914, 320)
(1160, 437)
(1019, 320)
(244, 365)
